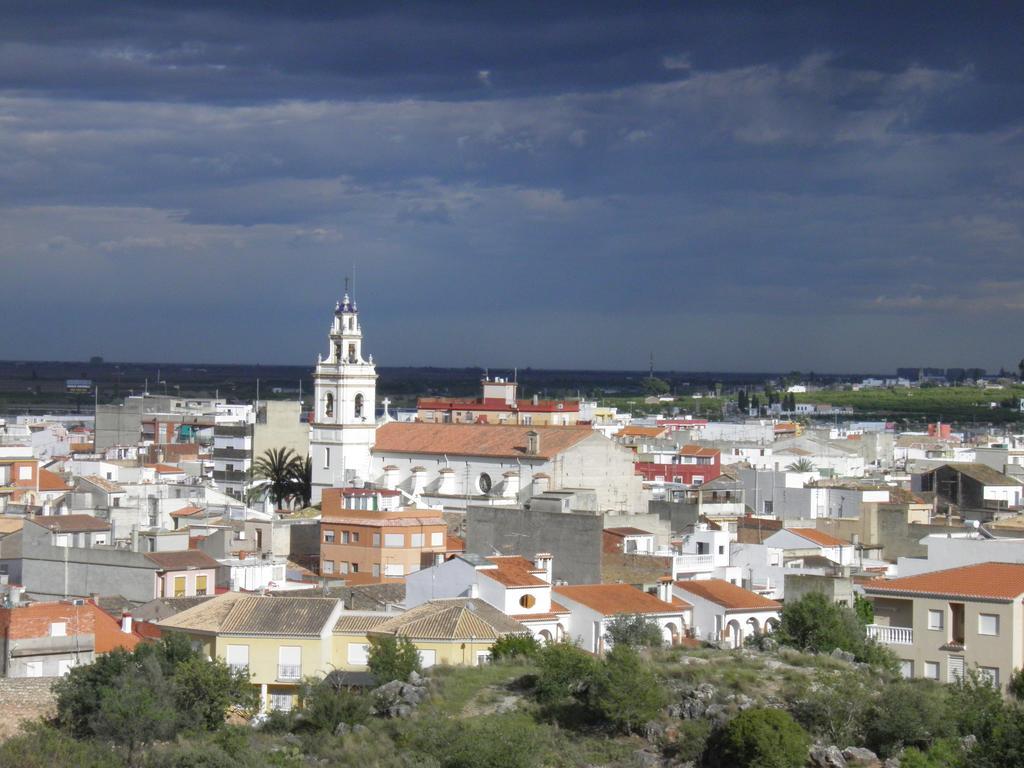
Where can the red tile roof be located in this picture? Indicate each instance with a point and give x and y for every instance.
(71, 523)
(727, 595)
(514, 571)
(698, 450)
(475, 439)
(641, 432)
(986, 581)
(182, 560)
(51, 481)
(820, 538)
(613, 599)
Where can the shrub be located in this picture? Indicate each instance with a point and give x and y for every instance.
(494, 741)
(624, 691)
(761, 738)
(1015, 685)
(908, 713)
(392, 658)
(42, 746)
(636, 630)
(564, 671)
(835, 706)
(322, 707)
(815, 623)
(515, 647)
(976, 706)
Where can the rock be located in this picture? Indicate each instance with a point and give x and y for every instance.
(826, 757)
(892, 762)
(861, 757)
(839, 653)
(415, 678)
(969, 742)
(342, 729)
(360, 728)
(647, 758)
(654, 732)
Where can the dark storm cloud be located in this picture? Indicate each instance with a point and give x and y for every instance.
(547, 182)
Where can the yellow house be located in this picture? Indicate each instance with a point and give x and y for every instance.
(280, 640)
(457, 631)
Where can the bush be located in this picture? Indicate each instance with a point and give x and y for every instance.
(515, 647)
(1015, 685)
(636, 630)
(392, 658)
(835, 706)
(43, 746)
(494, 741)
(758, 738)
(815, 623)
(624, 690)
(564, 671)
(322, 707)
(908, 713)
(976, 706)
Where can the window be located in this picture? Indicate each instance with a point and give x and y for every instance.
(328, 566)
(931, 670)
(328, 537)
(25, 472)
(376, 570)
(359, 406)
(344, 537)
(355, 567)
(989, 673)
(394, 539)
(428, 658)
(416, 540)
(282, 702)
(768, 507)
(327, 457)
(394, 569)
(351, 353)
(201, 585)
(289, 662)
(437, 539)
(935, 619)
(906, 668)
(33, 669)
(376, 539)
(230, 468)
(721, 550)
(483, 657)
(527, 601)
(355, 537)
(64, 666)
(237, 657)
(484, 483)
(343, 568)
(179, 586)
(988, 624)
(358, 654)
(329, 405)
(59, 629)
(60, 540)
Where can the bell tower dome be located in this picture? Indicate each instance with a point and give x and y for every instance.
(344, 416)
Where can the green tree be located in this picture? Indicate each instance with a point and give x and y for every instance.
(135, 710)
(392, 658)
(758, 738)
(864, 609)
(908, 713)
(815, 623)
(624, 690)
(835, 705)
(515, 647)
(205, 690)
(976, 706)
(322, 706)
(302, 481)
(655, 386)
(743, 401)
(564, 671)
(635, 630)
(277, 468)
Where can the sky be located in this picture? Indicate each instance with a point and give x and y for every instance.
(731, 186)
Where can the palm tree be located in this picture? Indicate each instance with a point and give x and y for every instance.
(277, 467)
(302, 481)
(801, 465)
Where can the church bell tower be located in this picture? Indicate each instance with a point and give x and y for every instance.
(344, 417)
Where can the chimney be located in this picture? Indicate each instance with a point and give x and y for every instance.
(419, 478)
(541, 482)
(14, 594)
(391, 477)
(532, 443)
(126, 622)
(510, 489)
(536, 399)
(665, 589)
(544, 561)
(135, 539)
(447, 481)
(474, 590)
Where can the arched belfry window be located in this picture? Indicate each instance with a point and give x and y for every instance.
(359, 406)
(337, 352)
(329, 405)
(351, 353)
(351, 323)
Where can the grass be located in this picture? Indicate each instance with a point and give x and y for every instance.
(456, 687)
(947, 403)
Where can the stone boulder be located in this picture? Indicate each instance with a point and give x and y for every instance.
(861, 758)
(398, 699)
(822, 756)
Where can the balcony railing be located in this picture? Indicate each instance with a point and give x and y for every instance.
(691, 563)
(289, 672)
(891, 635)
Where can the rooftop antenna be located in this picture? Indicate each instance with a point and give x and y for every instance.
(652, 365)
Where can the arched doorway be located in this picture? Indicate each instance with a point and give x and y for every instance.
(770, 625)
(734, 634)
(544, 636)
(755, 626)
(670, 634)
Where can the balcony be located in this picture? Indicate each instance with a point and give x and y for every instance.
(289, 672)
(692, 563)
(891, 635)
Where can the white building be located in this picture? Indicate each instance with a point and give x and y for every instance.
(344, 421)
(798, 543)
(726, 612)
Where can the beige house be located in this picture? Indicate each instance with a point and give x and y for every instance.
(942, 623)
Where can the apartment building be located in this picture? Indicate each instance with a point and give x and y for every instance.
(942, 623)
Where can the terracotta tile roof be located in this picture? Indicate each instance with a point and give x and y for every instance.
(280, 616)
(360, 623)
(982, 473)
(165, 469)
(514, 571)
(613, 599)
(458, 618)
(820, 538)
(205, 617)
(987, 581)
(183, 560)
(558, 611)
(71, 523)
(10, 524)
(727, 595)
(103, 484)
(698, 450)
(641, 432)
(80, 447)
(51, 481)
(627, 530)
(412, 520)
(109, 635)
(187, 511)
(454, 543)
(475, 439)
